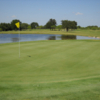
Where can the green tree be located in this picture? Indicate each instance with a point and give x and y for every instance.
(69, 24)
(5, 26)
(78, 27)
(53, 27)
(59, 27)
(66, 24)
(13, 26)
(73, 25)
(29, 27)
(0, 29)
(24, 26)
(92, 27)
(34, 25)
(51, 23)
(40, 27)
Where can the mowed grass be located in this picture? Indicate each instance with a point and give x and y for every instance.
(50, 70)
(92, 33)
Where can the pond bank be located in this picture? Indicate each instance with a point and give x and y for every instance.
(92, 33)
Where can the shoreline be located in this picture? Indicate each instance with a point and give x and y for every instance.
(89, 33)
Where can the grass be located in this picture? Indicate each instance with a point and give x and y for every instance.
(50, 70)
(80, 32)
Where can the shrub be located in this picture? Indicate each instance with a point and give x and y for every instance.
(0, 29)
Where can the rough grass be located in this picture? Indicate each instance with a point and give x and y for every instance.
(80, 32)
(50, 70)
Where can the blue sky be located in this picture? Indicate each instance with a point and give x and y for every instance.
(84, 12)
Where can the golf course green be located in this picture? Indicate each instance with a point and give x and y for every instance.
(50, 70)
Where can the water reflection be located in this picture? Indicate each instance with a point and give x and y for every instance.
(15, 39)
(66, 37)
(52, 38)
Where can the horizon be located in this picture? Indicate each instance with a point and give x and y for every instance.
(85, 13)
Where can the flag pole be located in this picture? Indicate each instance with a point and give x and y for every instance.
(18, 26)
(19, 42)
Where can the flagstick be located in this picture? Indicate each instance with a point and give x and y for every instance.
(19, 42)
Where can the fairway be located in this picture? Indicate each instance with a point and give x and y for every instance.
(50, 70)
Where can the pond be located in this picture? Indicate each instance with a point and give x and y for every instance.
(8, 38)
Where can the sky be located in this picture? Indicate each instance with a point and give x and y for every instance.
(84, 12)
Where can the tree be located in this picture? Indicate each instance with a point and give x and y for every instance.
(0, 29)
(34, 25)
(29, 27)
(13, 26)
(73, 25)
(92, 27)
(53, 27)
(78, 26)
(66, 24)
(51, 23)
(5, 26)
(59, 27)
(40, 27)
(69, 24)
(24, 26)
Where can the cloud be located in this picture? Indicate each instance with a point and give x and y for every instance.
(78, 13)
(13, 16)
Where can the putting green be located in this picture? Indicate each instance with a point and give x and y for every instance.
(50, 70)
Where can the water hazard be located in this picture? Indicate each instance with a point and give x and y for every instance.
(9, 38)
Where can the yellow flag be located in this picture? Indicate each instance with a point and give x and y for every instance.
(17, 25)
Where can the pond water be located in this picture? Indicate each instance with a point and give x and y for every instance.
(8, 38)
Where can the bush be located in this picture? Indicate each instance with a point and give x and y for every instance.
(0, 29)
(94, 28)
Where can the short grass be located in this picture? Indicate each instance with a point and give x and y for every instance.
(50, 70)
(80, 32)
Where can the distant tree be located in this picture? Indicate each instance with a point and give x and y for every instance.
(29, 27)
(13, 26)
(92, 27)
(40, 27)
(48, 25)
(59, 27)
(51, 23)
(66, 24)
(73, 25)
(53, 27)
(5, 26)
(34, 25)
(0, 29)
(83, 28)
(24, 26)
(9, 26)
(78, 26)
(69, 24)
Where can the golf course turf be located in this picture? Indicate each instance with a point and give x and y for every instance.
(80, 32)
(50, 70)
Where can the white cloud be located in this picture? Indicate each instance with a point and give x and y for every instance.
(78, 13)
(13, 16)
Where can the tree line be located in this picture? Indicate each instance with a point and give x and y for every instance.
(89, 27)
(51, 24)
